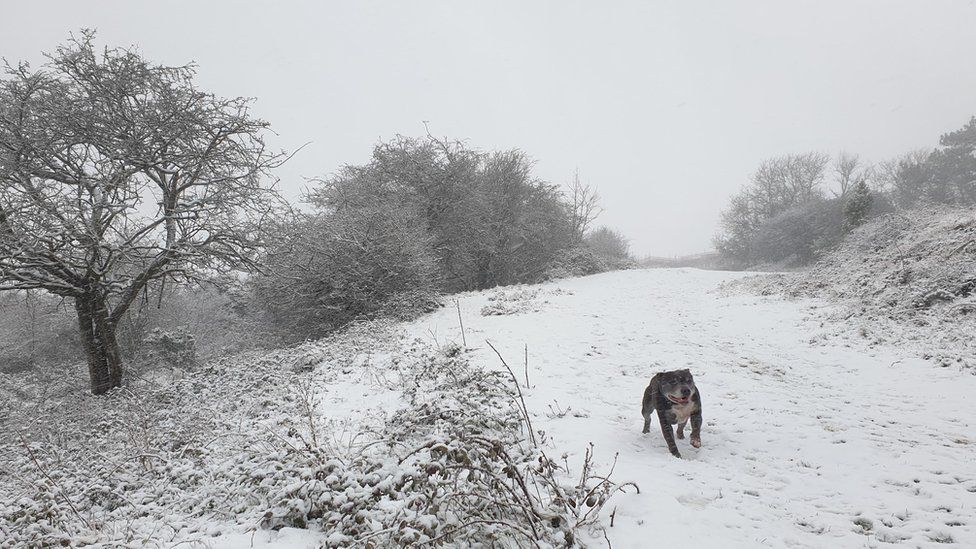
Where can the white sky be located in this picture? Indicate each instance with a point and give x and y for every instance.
(665, 107)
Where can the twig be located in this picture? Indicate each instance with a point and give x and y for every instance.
(557, 412)
(613, 515)
(374, 534)
(468, 524)
(525, 411)
(306, 400)
(963, 247)
(457, 305)
(527, 366)
(518, 477)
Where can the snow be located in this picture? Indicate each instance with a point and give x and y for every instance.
(811, 438)
(804, 444)
(292, 538)
(907, 278)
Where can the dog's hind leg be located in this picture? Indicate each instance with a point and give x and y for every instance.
(681, 429)
(647, 408)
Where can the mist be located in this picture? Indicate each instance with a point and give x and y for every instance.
(665, 108)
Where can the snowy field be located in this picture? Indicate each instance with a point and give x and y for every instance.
(810, 439)
(807, 442)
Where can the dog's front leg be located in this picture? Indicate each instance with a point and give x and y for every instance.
(696, 423)
(668, 434)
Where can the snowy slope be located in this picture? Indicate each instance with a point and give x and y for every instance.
(807, 442)
(906, 277)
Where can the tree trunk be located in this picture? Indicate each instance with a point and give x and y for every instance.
(101, 345)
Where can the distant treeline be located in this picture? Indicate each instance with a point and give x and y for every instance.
(799, 205)
(706, 260)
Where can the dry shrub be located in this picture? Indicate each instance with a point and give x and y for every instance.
(242, 443)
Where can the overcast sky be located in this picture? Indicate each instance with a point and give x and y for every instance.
(666, 108)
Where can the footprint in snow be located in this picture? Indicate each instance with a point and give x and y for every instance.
(694, 500)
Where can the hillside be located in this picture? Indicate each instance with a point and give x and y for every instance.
(907, 277)
(809, 440)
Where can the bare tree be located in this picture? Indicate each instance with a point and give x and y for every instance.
(848, 171)
(779, 184)
(115, 173)
(903, 178)
(785, 181)
(585, 203)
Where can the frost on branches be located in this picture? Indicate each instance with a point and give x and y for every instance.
(116, 173)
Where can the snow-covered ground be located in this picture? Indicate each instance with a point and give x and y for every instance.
(807, 441)
(811, 439)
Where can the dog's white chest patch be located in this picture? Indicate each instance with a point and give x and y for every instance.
(682, 411)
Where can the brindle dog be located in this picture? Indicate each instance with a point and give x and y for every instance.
(676, 399)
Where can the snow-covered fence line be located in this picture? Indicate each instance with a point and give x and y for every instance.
(437, 454)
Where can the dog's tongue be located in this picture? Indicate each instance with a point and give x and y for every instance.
(682, 400)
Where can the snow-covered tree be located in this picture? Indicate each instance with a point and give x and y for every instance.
(608, 243)
(115, 173)
(490, 221)
(857, 206)
(953, 167)
(779, 185)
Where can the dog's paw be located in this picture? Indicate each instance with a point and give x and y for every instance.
(696, 442)
(679, 434)
(676, 453)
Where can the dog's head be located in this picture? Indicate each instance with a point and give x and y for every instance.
(678, 386)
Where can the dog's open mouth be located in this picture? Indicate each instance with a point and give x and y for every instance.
(676, 400)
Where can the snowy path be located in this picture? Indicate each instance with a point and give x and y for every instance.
(803, 445)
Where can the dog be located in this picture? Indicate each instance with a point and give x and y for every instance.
(676, 398)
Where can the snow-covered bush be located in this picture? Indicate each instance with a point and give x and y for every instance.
(176, 348)
(608, 244)
(331, 269)
(489, 221)
(518, 299)
(578, 261)
(799, 235)
(510, 302)
(408, 305)
(441, 458)
(910, 274)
